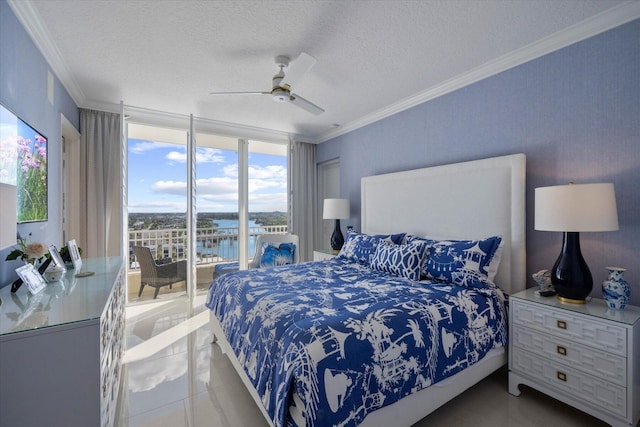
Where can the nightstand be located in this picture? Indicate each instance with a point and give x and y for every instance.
(585, 355)
(323, 254)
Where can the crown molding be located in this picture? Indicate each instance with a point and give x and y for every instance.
(32, 24)
(611, 18)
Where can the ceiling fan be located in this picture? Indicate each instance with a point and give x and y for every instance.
(281, 87)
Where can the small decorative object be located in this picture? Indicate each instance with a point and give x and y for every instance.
(66, 255)
(74, 252)
(336, 209)
(615, 289)
(54, 273)
(30, 253)
(543, 280)
(56, 257)
(30, 277)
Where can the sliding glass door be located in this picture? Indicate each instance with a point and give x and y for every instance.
(240, 191)
(217, 227)
(157, 205)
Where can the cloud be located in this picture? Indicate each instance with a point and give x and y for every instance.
(177, 156)
(274, 172)
(267, 189)
(217, 186)
(170, 187)
(203, 155)
(230, 170)
(268, 202)
(141, 147)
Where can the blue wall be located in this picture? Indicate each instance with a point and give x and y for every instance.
(23, 90)
(575, 113)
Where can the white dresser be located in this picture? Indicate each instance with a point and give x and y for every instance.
(61, 349)
(585, 355)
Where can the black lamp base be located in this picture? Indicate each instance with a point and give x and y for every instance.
(571, 276)
(337, 239)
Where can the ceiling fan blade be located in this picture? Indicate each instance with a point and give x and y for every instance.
(239, 93)
(298, 69)
(299, 101)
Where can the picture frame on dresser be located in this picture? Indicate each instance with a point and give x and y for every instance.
(31, 278)
(56, 257)
(74, 253)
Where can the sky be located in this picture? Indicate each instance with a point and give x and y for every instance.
(158, 171)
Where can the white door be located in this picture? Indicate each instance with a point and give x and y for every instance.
(71, 183)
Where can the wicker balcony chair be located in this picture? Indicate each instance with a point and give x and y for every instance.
(158, 273)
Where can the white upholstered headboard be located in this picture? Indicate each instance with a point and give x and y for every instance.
(468, 200)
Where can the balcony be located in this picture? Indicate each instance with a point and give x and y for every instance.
(213, 246)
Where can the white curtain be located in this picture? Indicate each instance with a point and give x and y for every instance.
(303, 186)
(100, 169)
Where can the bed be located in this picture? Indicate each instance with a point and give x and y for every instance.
(361, 346)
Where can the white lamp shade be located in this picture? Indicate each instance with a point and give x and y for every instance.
(576, 208)
(8, 218)
(335, 209)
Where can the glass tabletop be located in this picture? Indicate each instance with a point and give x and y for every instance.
(71, 299)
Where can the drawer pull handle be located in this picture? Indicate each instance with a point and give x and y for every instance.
(562, 324)
(562, 376)
(562, 350)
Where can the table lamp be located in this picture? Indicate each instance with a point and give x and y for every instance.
(572, 209)
(336, 209)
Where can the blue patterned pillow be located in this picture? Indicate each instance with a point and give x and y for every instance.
(400, 260)
(398, 239)
(361, 247)
(459, 261)
(273, 255)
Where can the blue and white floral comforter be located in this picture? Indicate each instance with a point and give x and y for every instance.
(326, 343)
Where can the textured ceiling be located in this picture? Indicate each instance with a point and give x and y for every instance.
(373, 57)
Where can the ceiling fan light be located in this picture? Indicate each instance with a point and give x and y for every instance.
(280, 95)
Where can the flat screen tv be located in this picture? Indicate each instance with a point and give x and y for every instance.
(23, 162)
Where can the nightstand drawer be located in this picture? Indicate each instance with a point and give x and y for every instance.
(582, 387)
(564, 324)
(601, 364)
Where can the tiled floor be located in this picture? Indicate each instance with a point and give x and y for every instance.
(175, 377)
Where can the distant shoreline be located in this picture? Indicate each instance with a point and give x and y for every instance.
(139, 221)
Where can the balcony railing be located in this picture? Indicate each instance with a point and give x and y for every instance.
(213, 245)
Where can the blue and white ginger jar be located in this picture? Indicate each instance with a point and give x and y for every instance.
(615, 289)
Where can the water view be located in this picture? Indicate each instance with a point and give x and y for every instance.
(217, 233)
(228, 247)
